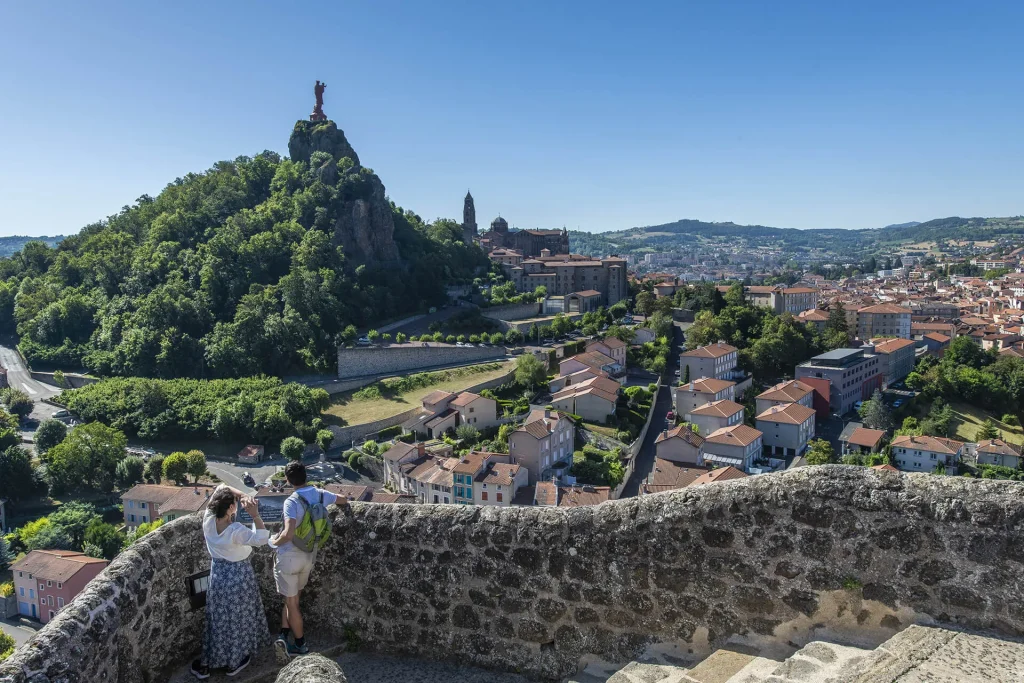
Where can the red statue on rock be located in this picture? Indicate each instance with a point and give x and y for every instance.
(318, 110)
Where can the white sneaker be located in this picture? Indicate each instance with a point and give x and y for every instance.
(281, 651)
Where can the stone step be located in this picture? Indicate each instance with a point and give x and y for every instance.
(722, 666)
(818, 662)
(757, 671)
(633, 672)
(940, 655)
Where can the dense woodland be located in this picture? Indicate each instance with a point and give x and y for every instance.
(233, 272)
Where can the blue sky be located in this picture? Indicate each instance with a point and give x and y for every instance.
(595, 115)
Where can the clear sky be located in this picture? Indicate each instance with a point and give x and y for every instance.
(595, 115)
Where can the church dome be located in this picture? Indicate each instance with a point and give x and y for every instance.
(499, 223)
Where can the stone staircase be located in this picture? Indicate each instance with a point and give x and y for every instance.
(918, 654)
(915, 655)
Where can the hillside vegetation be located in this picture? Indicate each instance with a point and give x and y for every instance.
(257, 265)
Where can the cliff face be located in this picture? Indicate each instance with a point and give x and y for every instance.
(361, 214)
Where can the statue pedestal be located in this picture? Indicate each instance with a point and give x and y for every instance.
(317, 116)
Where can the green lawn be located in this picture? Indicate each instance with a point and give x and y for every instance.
(609, 432)
(968, 420)
(347, 410)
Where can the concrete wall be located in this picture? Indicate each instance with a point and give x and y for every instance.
(405, 358)
(73, 380)
(845, 551)
(513, 311)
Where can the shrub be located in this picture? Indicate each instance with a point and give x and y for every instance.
(292, 448)
(389, 433)
(371, 448)
(353, 458)
(1010, 420)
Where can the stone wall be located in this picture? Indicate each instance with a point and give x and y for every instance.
(855, 552)
(403, 358)
(513, 311)
(72, 379)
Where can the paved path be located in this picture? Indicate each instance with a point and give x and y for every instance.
(19, 377)
(231, 473)
(15, 630)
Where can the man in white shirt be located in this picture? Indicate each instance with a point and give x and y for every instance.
(291, 565)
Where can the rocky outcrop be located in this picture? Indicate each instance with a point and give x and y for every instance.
(361, 218)
(312, 668)
(325, 136)
(859, 553)
(365, 226)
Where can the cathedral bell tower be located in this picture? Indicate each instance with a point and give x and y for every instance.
(468, 219)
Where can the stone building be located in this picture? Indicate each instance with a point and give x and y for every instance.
(528, 242)
(567, 274)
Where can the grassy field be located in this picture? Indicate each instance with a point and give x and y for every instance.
(970, 418)
(346, 409)
(609, 432)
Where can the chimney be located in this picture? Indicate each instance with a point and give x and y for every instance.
(547, 413)
(421, 448)
(691, 385)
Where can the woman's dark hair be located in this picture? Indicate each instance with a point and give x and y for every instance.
(295, 473)
(220, 501)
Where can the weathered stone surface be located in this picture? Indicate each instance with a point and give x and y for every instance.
(312, 668)
(499, 588)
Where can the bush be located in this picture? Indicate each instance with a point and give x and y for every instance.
(49, 433)
(389, 433)
(1010, 420)
(371, 448)
(353, 458)
(468, 434)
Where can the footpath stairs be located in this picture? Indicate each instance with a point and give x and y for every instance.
(918, 654)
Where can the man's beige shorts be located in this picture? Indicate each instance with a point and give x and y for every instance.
(291, 572)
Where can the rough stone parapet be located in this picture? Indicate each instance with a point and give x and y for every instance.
(767, 559)
(412, 357)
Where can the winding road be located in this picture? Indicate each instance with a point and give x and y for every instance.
(19, 377)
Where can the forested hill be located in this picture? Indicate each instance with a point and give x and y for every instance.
(14, 243)
(255, 266)
(681, 234)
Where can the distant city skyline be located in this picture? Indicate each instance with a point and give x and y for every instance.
(590, 116)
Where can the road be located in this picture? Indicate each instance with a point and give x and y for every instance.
(231, 474)
(19, 377)
(662, 404)
(15, 630)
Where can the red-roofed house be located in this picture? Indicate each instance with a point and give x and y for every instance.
(45, 581)
(787, 428)
(544, 439)
(924, 453)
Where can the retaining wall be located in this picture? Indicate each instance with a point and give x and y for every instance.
(854, 552)
(361, 362)
(513, 311)
(72, 380)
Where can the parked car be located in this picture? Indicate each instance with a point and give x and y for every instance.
(897, 403)
(62, 413)
(670, 416)
(363, 341)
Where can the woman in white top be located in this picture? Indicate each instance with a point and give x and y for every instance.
(236, 624)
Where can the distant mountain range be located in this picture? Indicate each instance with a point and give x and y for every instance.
(687, 233)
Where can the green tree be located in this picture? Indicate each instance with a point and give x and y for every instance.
(529, 371)
(837, 319)
(876, 413)
(49, 433)
(6, 556)
(987, 431)
(130, 471)
(498, 339)
(7, 646)
(9, 435)
(292, 448)
(734, 296)
(686, 374)
(644, 303)
(401, 338)
(16, 401)
(324, 439)
(513, 336)
(196, 464)
(467, 433)
(105, 537)
(155, 469)
(59, 379)
(373, 336)
(74, 518)
(51, 537)
(819, 452)
(17, 477)
(176, 467)
(86, 458)
(142, 530)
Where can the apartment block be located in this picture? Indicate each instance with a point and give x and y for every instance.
(545, 439)
(786, 429)
(714, 360)
(883, 320)
(854, 375)
(701, 391)
(898, 358)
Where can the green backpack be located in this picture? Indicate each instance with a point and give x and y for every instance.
(315, 528)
